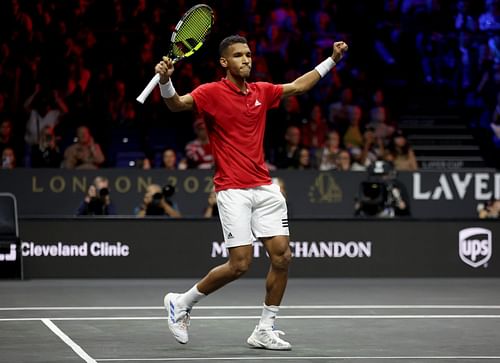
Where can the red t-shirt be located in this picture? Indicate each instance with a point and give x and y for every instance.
(235, 124)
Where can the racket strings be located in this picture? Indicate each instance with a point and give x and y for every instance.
(192, 32)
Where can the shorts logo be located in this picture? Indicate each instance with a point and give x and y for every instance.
(230, 235)
(475, 246)
(284, 223)
(11, 256)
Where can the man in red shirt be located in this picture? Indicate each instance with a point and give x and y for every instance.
(250, 206)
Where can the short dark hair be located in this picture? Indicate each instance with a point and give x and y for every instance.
(230, 40)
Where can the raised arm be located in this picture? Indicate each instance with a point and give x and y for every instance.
(307, 81)
(173, 101)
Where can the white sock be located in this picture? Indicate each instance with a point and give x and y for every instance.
(191, 297)
(268, 316)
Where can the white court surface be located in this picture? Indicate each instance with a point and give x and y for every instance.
(326, 320)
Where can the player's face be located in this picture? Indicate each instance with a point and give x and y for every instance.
(237, 59)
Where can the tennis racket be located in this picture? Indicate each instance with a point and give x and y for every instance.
(189, 35)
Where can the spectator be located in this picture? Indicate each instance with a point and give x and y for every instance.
(287, 156)
(155, 203)
(353, 136)
(378, 113)
(199, 152)
(6, 135)
(343, 161)
(85, 153)
(495, 122)
(46, 153)
(466, 25)
(97, 200)
(490, 19)
(169, 161)
(211, 209)
(44, 111)
(401, 154)
(373, 148)
(490, 210)
(339, 112)
(326, 156)
(315, 130)
(8, 158)
(304, 159)
(144, 164)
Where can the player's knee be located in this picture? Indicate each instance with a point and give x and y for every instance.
(239, 267)
(282, 261)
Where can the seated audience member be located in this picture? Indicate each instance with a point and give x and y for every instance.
(287, 156)
(199, 152)
(356, 159)
(373, 148)
(6, 135)
(304, 159)
(85, 153)
(169, 161)
(97, 201)
(400, 153)
(158, 201)
(338, 116)
(8, 158)
(211, 210)
(353, 136)
(46, 153)
(144, 163)
(315, 130)
(343, 160)
(325, 157)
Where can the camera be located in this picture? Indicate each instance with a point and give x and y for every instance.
(97, 205)
(154, 208)
(381, 194)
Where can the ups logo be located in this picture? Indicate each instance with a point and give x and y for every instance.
(325, 189)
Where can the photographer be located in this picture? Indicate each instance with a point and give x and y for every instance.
(382, 194)
(158, 202)
(490, 210)
(97, 201)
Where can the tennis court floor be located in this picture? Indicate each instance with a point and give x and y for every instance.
(326, 320)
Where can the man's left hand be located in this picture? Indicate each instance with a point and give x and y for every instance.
(339, 49)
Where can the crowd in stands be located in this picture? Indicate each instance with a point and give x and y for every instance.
(70, 72)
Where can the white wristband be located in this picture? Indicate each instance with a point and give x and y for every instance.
(167, 90)
(324, 67)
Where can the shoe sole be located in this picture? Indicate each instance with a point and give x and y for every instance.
(256, 345)
(167, 302)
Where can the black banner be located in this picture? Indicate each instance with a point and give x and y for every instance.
(143, 248)
(310, 194)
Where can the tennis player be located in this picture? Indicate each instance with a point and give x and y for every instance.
(249, 204)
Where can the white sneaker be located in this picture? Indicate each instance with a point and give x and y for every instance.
(268, 339)
(178, 318)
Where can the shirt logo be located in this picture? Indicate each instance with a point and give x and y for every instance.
(257, 103)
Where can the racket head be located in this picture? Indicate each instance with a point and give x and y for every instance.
(191, 32)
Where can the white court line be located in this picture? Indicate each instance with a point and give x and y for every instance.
(245, 317)
(66, 339)
(251, 307)
(280, 358)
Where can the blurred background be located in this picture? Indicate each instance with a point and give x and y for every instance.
(418, 91)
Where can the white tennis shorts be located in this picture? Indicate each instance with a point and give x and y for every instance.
(249, 214)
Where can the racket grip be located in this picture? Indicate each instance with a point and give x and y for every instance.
(149, 88)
